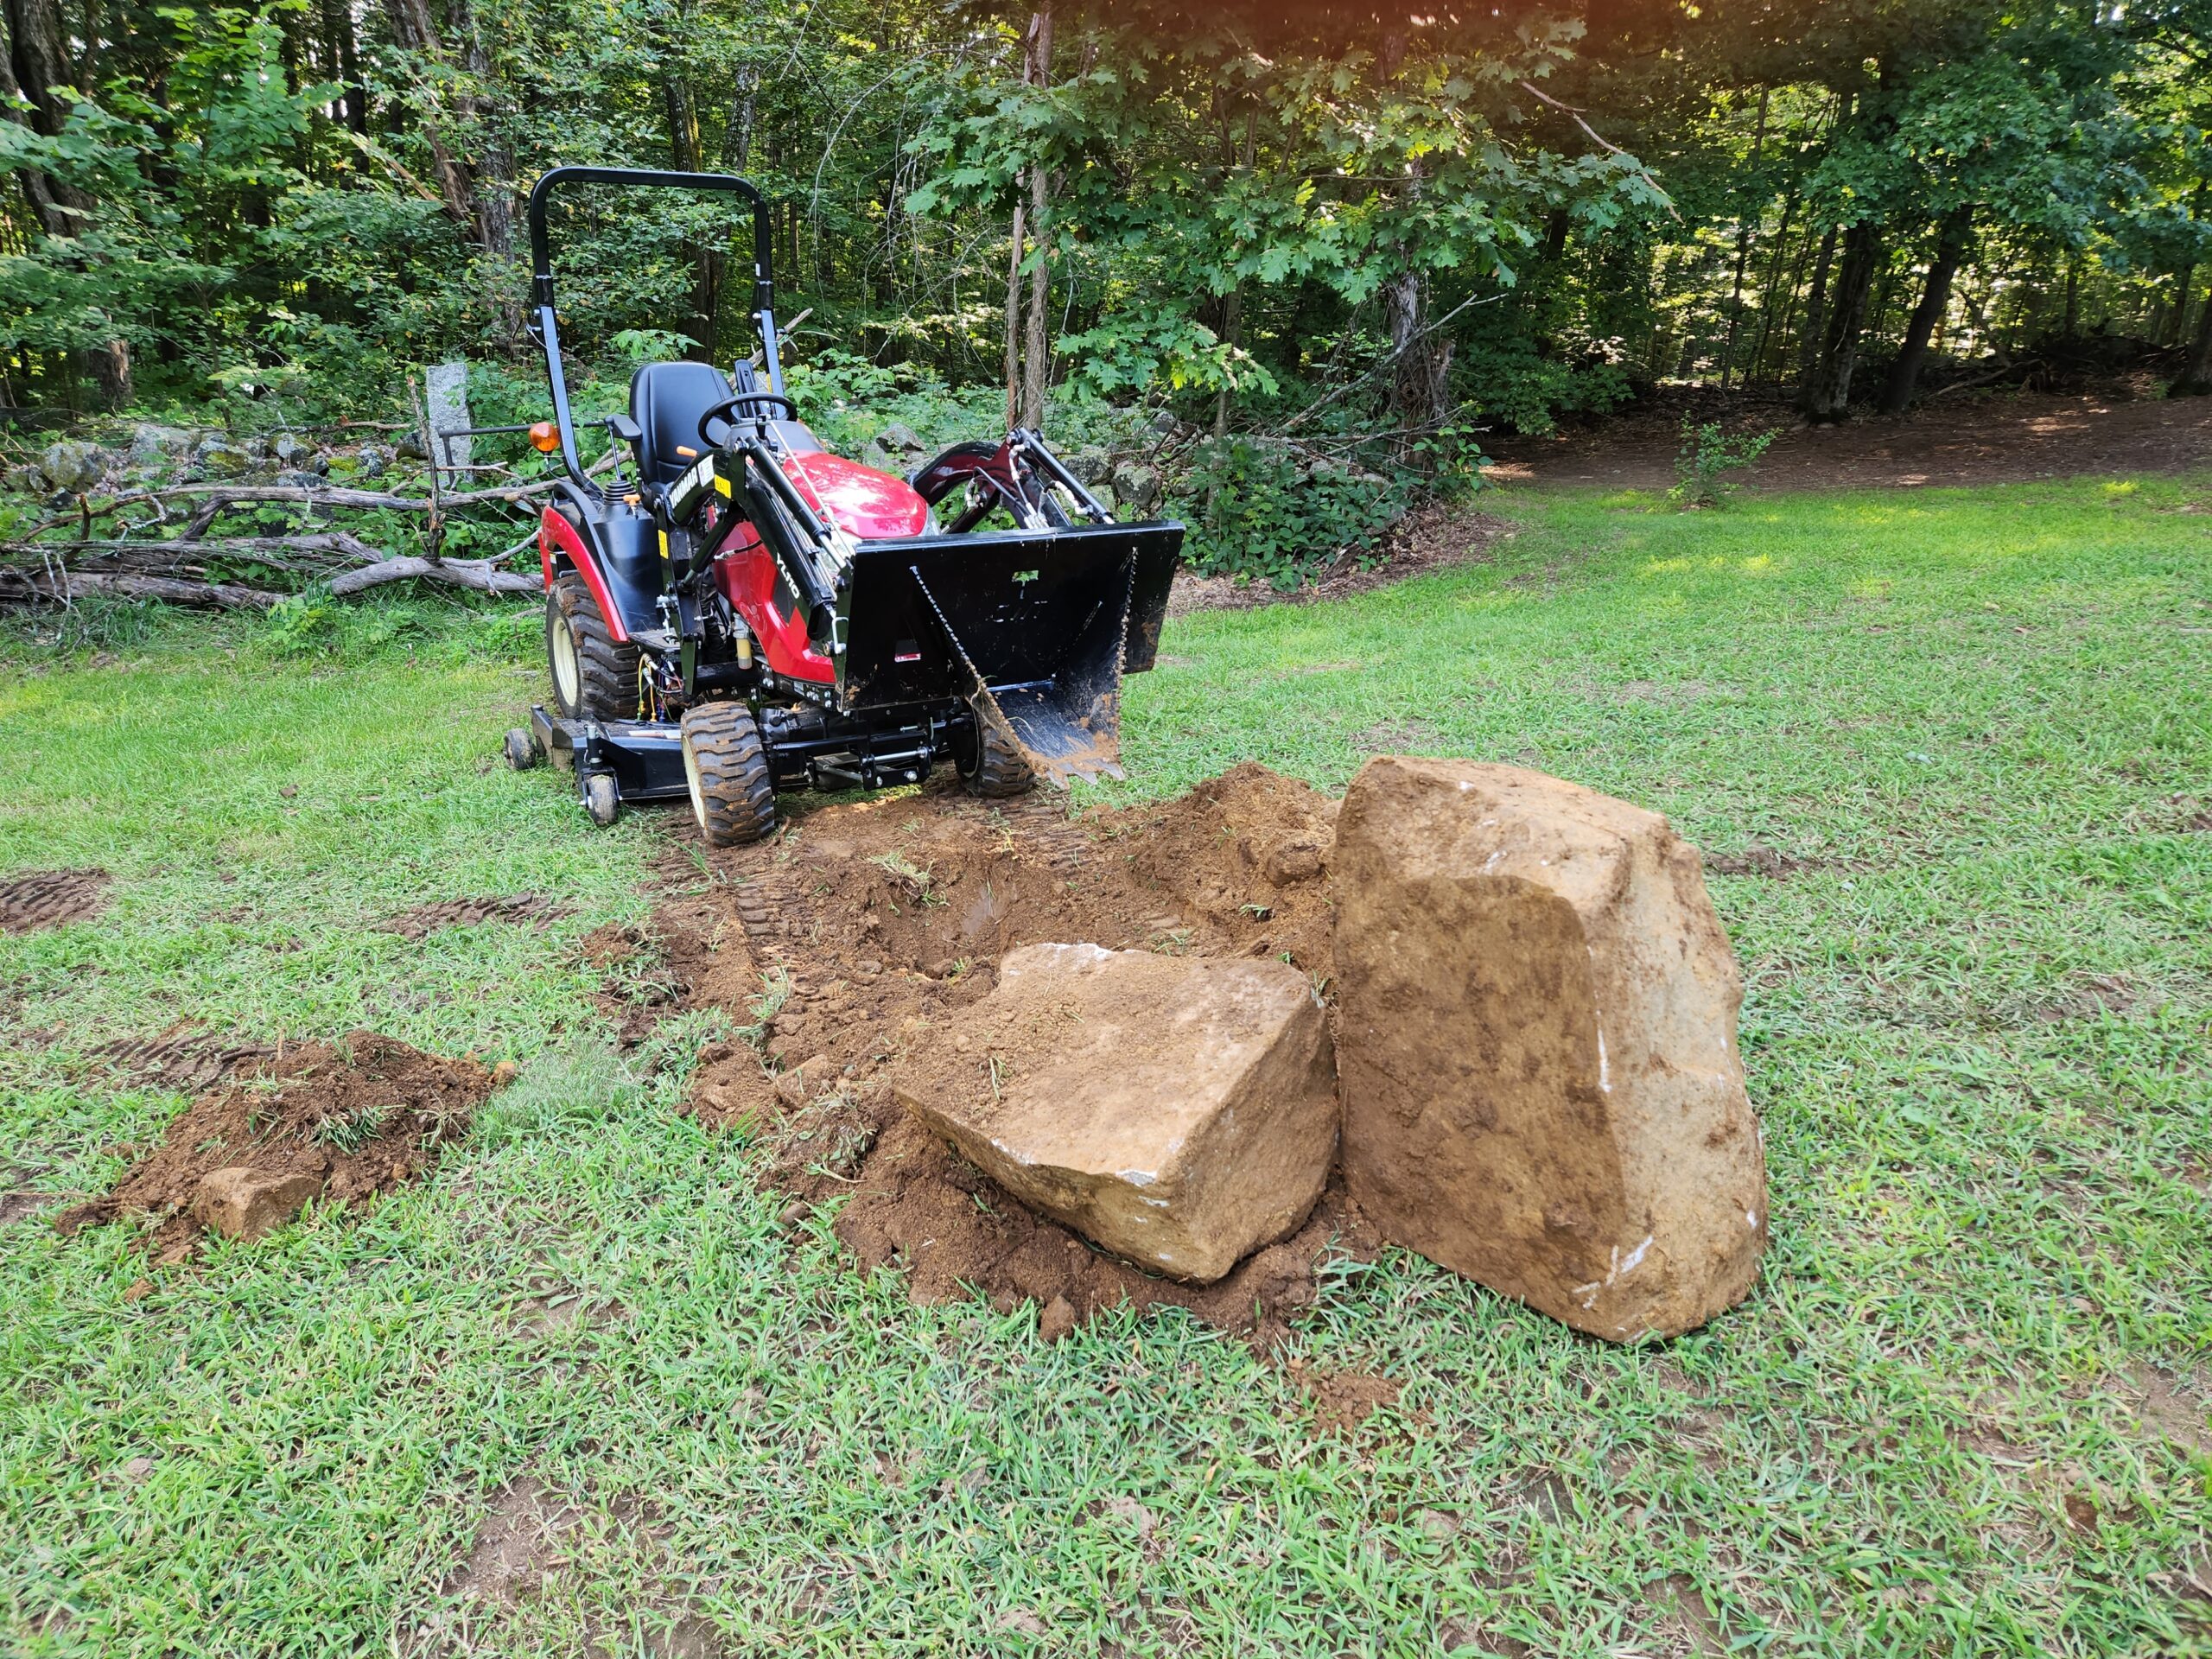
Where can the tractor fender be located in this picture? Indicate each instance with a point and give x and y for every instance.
(563, 546)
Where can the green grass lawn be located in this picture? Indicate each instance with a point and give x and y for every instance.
(1977, 1028)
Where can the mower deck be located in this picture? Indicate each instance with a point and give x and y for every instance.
(645, 757)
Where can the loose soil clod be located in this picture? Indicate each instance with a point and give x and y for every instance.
(872, 921)
(40, 899)
(358, 1118)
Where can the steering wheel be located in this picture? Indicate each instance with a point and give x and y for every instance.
(726, 411)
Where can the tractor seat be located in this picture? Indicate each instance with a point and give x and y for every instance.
(666, 400)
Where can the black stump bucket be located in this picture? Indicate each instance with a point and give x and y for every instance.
(1034, 628)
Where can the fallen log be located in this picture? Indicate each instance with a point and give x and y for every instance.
(284, 552)
(476, 574)
(214, 499)
(178, 569)
(62, 586)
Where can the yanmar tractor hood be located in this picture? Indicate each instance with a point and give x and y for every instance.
(864, 503)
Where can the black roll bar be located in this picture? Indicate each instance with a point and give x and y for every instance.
(546, 331)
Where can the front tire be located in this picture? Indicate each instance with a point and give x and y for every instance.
(994, 770)
(726, 764)
(594, 678)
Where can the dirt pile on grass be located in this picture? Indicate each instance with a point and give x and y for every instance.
(871, 923)
(338, 1120)
(39, 899)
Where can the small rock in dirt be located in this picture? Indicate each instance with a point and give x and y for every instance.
(1537, 1041)
(1181, 1111)
(138, 1469)
(1301, 858)
(243, 1202)
(372, 462)
(796, 1087)
(792, 1214)
(504, 1073)
(1436, 1526)
(1056, 1319)
(1123, 1507)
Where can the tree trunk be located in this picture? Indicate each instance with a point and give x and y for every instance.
(1826, 395)
(494, 180)
(2197, 378)
(737, 138)
(1816, 309)
(413, 28)
(1037, 356)
(1935, 300)
(1772, 289)
(1029, 354)
(38, 50)
(684, 156)
(1421, 367)
(1232, 307)
(345, 63)
(2171, 332)
(1743, 251)
(1014, 323)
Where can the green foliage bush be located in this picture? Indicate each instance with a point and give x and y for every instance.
(1269, 512)
(1706, 459)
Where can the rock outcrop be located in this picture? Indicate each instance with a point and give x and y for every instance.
(1179, 1111)
(1537, 1039)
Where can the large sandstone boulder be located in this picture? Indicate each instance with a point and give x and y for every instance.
(1179, 1111)
(1537, 1039)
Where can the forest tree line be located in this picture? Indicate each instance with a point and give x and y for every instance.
(1362, 228)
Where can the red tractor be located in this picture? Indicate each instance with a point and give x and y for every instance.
(742, 612)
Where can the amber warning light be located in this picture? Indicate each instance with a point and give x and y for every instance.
(545, 438)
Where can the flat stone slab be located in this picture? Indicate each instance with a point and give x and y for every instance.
(1179, 1111)
(1536, 1042)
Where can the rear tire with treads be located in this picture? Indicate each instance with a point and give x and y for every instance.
(733, 796)
(594, 678)
(994, 770)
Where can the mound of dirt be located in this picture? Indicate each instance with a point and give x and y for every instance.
(39, 899)
(342, 1121)
(865, 915)
(426, 920)
(913, 1203)
(870, 922)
